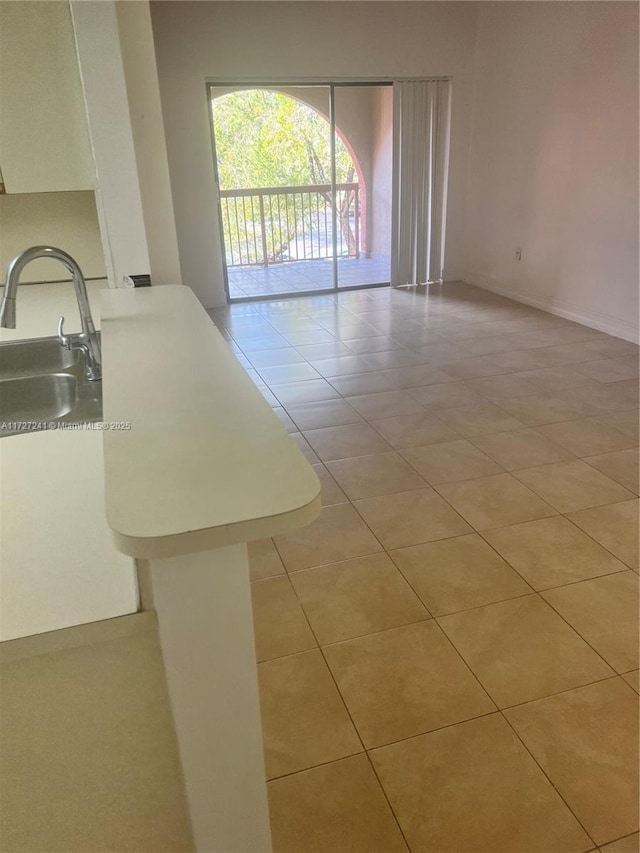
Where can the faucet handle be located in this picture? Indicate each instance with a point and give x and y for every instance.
(65, 340)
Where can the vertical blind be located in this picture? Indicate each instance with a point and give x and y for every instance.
(421, 160)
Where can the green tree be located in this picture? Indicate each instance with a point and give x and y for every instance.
(267, 139)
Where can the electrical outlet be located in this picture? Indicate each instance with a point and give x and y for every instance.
(518, 254)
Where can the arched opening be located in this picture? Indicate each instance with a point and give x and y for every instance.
(277, 203)
(278, 146)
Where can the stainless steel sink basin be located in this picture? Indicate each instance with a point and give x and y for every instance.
(43, 385)
(31, 358)
(37, 398)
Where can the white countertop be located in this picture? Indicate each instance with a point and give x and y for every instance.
(58, 564)
(206, 462)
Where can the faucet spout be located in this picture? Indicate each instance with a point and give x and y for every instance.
(8, 312)
(88, 340)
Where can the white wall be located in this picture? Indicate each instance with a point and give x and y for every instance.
(66, 220)
(44, 145)
(141, 78)
(288, 41)
(117, 188)
(553, 164)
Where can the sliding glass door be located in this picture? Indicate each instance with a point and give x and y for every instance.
(304, 186)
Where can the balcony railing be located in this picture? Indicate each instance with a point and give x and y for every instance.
(272, 225)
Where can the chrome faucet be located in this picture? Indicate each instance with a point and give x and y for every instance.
(87, 340)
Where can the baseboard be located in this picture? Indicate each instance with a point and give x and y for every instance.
(594, 320)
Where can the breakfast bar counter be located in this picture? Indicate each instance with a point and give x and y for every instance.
(197, 465)
(201, 460)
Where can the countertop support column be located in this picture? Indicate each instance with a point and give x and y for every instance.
(203, 603)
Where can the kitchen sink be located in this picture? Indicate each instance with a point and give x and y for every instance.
(35, 398)
(43, 385)
(32, 358)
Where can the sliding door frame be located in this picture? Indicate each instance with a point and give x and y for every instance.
(214, 83)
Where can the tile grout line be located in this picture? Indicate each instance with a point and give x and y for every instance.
(593, 539)
(546, 588)
(421, 734)
(505, 718)
(548, 778)
(348, 712)
(575, 630)
(365, 750)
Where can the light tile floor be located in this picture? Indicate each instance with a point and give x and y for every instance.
(449, 654)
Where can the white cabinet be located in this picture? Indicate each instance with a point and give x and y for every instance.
(44, 142)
